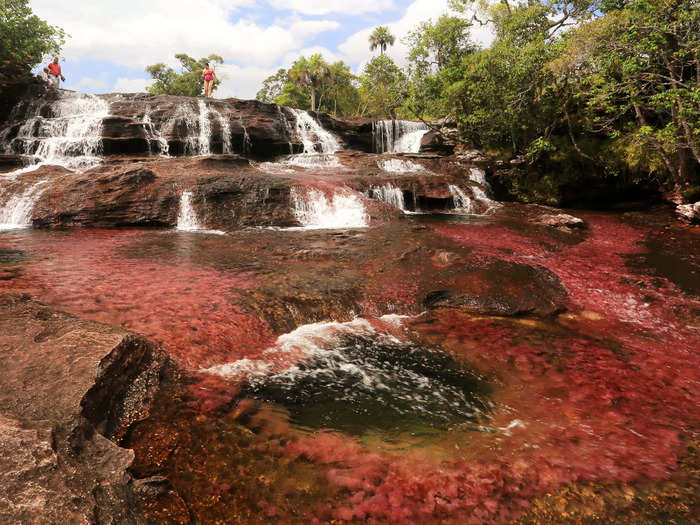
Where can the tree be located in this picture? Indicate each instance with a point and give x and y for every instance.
(25, 40)
(435, 62)
(188, 83)
(381, 38)
(273, 86)
(637, 71)
(337, 92)
(383, 88)
(312, 73)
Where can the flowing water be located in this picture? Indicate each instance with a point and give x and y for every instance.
(392, 195)
(16, 211)
(64, 133)
(368, 419)
(320, 145)
(315, 210)
(462, 202)
(398, 136)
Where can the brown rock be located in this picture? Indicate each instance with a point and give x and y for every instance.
(66, 386)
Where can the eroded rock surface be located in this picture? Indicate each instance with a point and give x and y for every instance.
(66, 386)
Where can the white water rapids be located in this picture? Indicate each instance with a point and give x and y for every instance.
(315, 211)
(16, 212)
(67, 132)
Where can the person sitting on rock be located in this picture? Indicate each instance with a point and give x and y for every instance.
(209, 78)
(44, 76)
(55, 73)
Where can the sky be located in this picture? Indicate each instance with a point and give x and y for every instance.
(112, 41)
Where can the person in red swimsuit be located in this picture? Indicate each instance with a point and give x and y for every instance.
(209, 78)
(55, 73)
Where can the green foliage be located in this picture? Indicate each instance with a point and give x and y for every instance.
(187, 83)
(383, 88)
(641, 84)
(312, 73)
(329, 87)
(25, 40)
(435, 62)
(273, 86)
(381, 38)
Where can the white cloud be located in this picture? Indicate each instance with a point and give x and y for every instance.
(324, 7)
(134, 33)
(131, 85)
(356, 47)
(240, 82)
(92, 83)
(130, 34)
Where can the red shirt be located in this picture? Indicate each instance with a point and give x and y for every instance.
(55, 69)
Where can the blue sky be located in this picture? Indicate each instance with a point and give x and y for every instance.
(111, 41)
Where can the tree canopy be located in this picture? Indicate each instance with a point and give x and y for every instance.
(25, 41)
(381, 38)
(188, 82)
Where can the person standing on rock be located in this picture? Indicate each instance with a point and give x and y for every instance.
(209, 78)
(55, 73)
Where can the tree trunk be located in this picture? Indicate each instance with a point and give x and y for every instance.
(313, 98)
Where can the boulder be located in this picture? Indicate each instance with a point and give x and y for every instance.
(561, 221)
(501, 288)
(690, 212)
(69, 388)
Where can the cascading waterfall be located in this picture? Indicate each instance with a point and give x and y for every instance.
(398, 136)
(390, 195)
(152, 135)
(311, 134)
(461, 201)
(17, 211)
(315, 211)
(196, 128)
(187, 220)
(247, 143)
(70, 137)
(204, 129)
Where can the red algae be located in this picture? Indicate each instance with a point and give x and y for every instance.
(605, 393)
(188, 309)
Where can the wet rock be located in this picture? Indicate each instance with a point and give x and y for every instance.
(436, 142)
(561, 221)
(66, 386)
(227, 193)
(690, 212)
(502, 288)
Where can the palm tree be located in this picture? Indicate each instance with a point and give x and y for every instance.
(381, 38)
(312, 72)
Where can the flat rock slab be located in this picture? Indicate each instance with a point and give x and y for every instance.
(66, 386)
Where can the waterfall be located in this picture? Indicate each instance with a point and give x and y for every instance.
(391, 195)
(398, 136)
(313, 136)
(309, 131)
(479, 176)
(247, 143)
(204, 140)
(461, 201)
(187, 220)
(70, 136)
(152, 135)
(195, 128)
(315, 211)
(17, 211)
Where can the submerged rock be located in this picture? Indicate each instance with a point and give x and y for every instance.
(68, 387)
